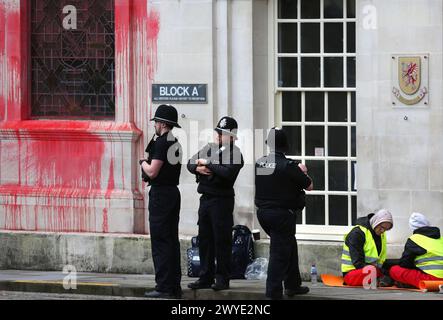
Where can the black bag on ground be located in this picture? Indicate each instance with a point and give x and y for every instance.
(242, 251)
(193, 259)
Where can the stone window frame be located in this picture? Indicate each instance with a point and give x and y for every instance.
(20, 108)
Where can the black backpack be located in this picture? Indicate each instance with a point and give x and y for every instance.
(193, 258)
(242, 251)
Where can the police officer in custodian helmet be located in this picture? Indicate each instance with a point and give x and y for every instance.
(162, 172)
(216, 167)
(279, 197)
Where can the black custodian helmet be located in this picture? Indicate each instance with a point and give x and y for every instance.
(227, 125)
(167, 114)
(277, 140)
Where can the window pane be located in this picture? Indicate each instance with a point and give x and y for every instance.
(334, 37)
(333, 9)
(338, 176)
(338, 142)
(287, 9)
(315, 209)
(72, 70)
(333, 72)
(310, 37)
(354, 209)
(353, 142)
(294, 136)
(310, 9)
(314, 106)
(287, 37)
(310, 72)
(316, 170)
(291, 106)
(287, 72)
(351, 72)
(351, 37)
(353, 178)
(350, 8)
(337, 107)
(338, 210)
(353, 115)
(315, 140)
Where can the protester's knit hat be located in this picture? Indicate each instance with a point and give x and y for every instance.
(417, 220)
(381, 216)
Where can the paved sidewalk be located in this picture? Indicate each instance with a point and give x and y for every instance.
(124, 285)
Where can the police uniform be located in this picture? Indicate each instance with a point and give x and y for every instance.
(164, 208)
(279, 197)
(215, 214)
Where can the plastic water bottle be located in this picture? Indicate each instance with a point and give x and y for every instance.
(313, 274)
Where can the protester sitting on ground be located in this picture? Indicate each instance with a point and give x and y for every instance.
(422, 257)
(365, 245)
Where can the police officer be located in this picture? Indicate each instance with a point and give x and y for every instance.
(279, 197)
(162, 171)
(216, 167)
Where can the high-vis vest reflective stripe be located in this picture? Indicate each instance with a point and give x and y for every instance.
(431, 262)
(370, 250)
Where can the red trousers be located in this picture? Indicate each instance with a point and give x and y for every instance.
(356, 277)
(410, 276)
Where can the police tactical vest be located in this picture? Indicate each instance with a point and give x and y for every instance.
(432, 261)
(272, 183)
(370, 250)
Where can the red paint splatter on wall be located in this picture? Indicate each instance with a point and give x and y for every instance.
(145, 31)
(59, 172)
(3, 62)
(65, 164)
(13, 66)
(110, 188)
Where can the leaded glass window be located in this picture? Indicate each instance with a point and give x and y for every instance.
(72, 54)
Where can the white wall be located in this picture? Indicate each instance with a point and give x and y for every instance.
(209, 41)
(400, 162)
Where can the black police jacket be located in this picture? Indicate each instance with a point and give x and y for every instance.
(413, 250)
(225, 163)
(356, 241)
(279, 183)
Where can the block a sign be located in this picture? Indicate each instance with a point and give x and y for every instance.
(179, 93)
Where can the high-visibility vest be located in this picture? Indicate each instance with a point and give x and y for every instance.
(370, 250)
(432, 261)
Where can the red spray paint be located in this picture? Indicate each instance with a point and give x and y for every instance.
(63, 175)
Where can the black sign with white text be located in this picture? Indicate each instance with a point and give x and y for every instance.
(182, 93)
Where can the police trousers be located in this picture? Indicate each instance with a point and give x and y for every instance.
(283, 267)
(215, 221)
(164, 209)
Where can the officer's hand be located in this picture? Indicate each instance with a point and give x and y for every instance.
(145, 166)
(201, 162)
(203, 171)
(303, 168)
